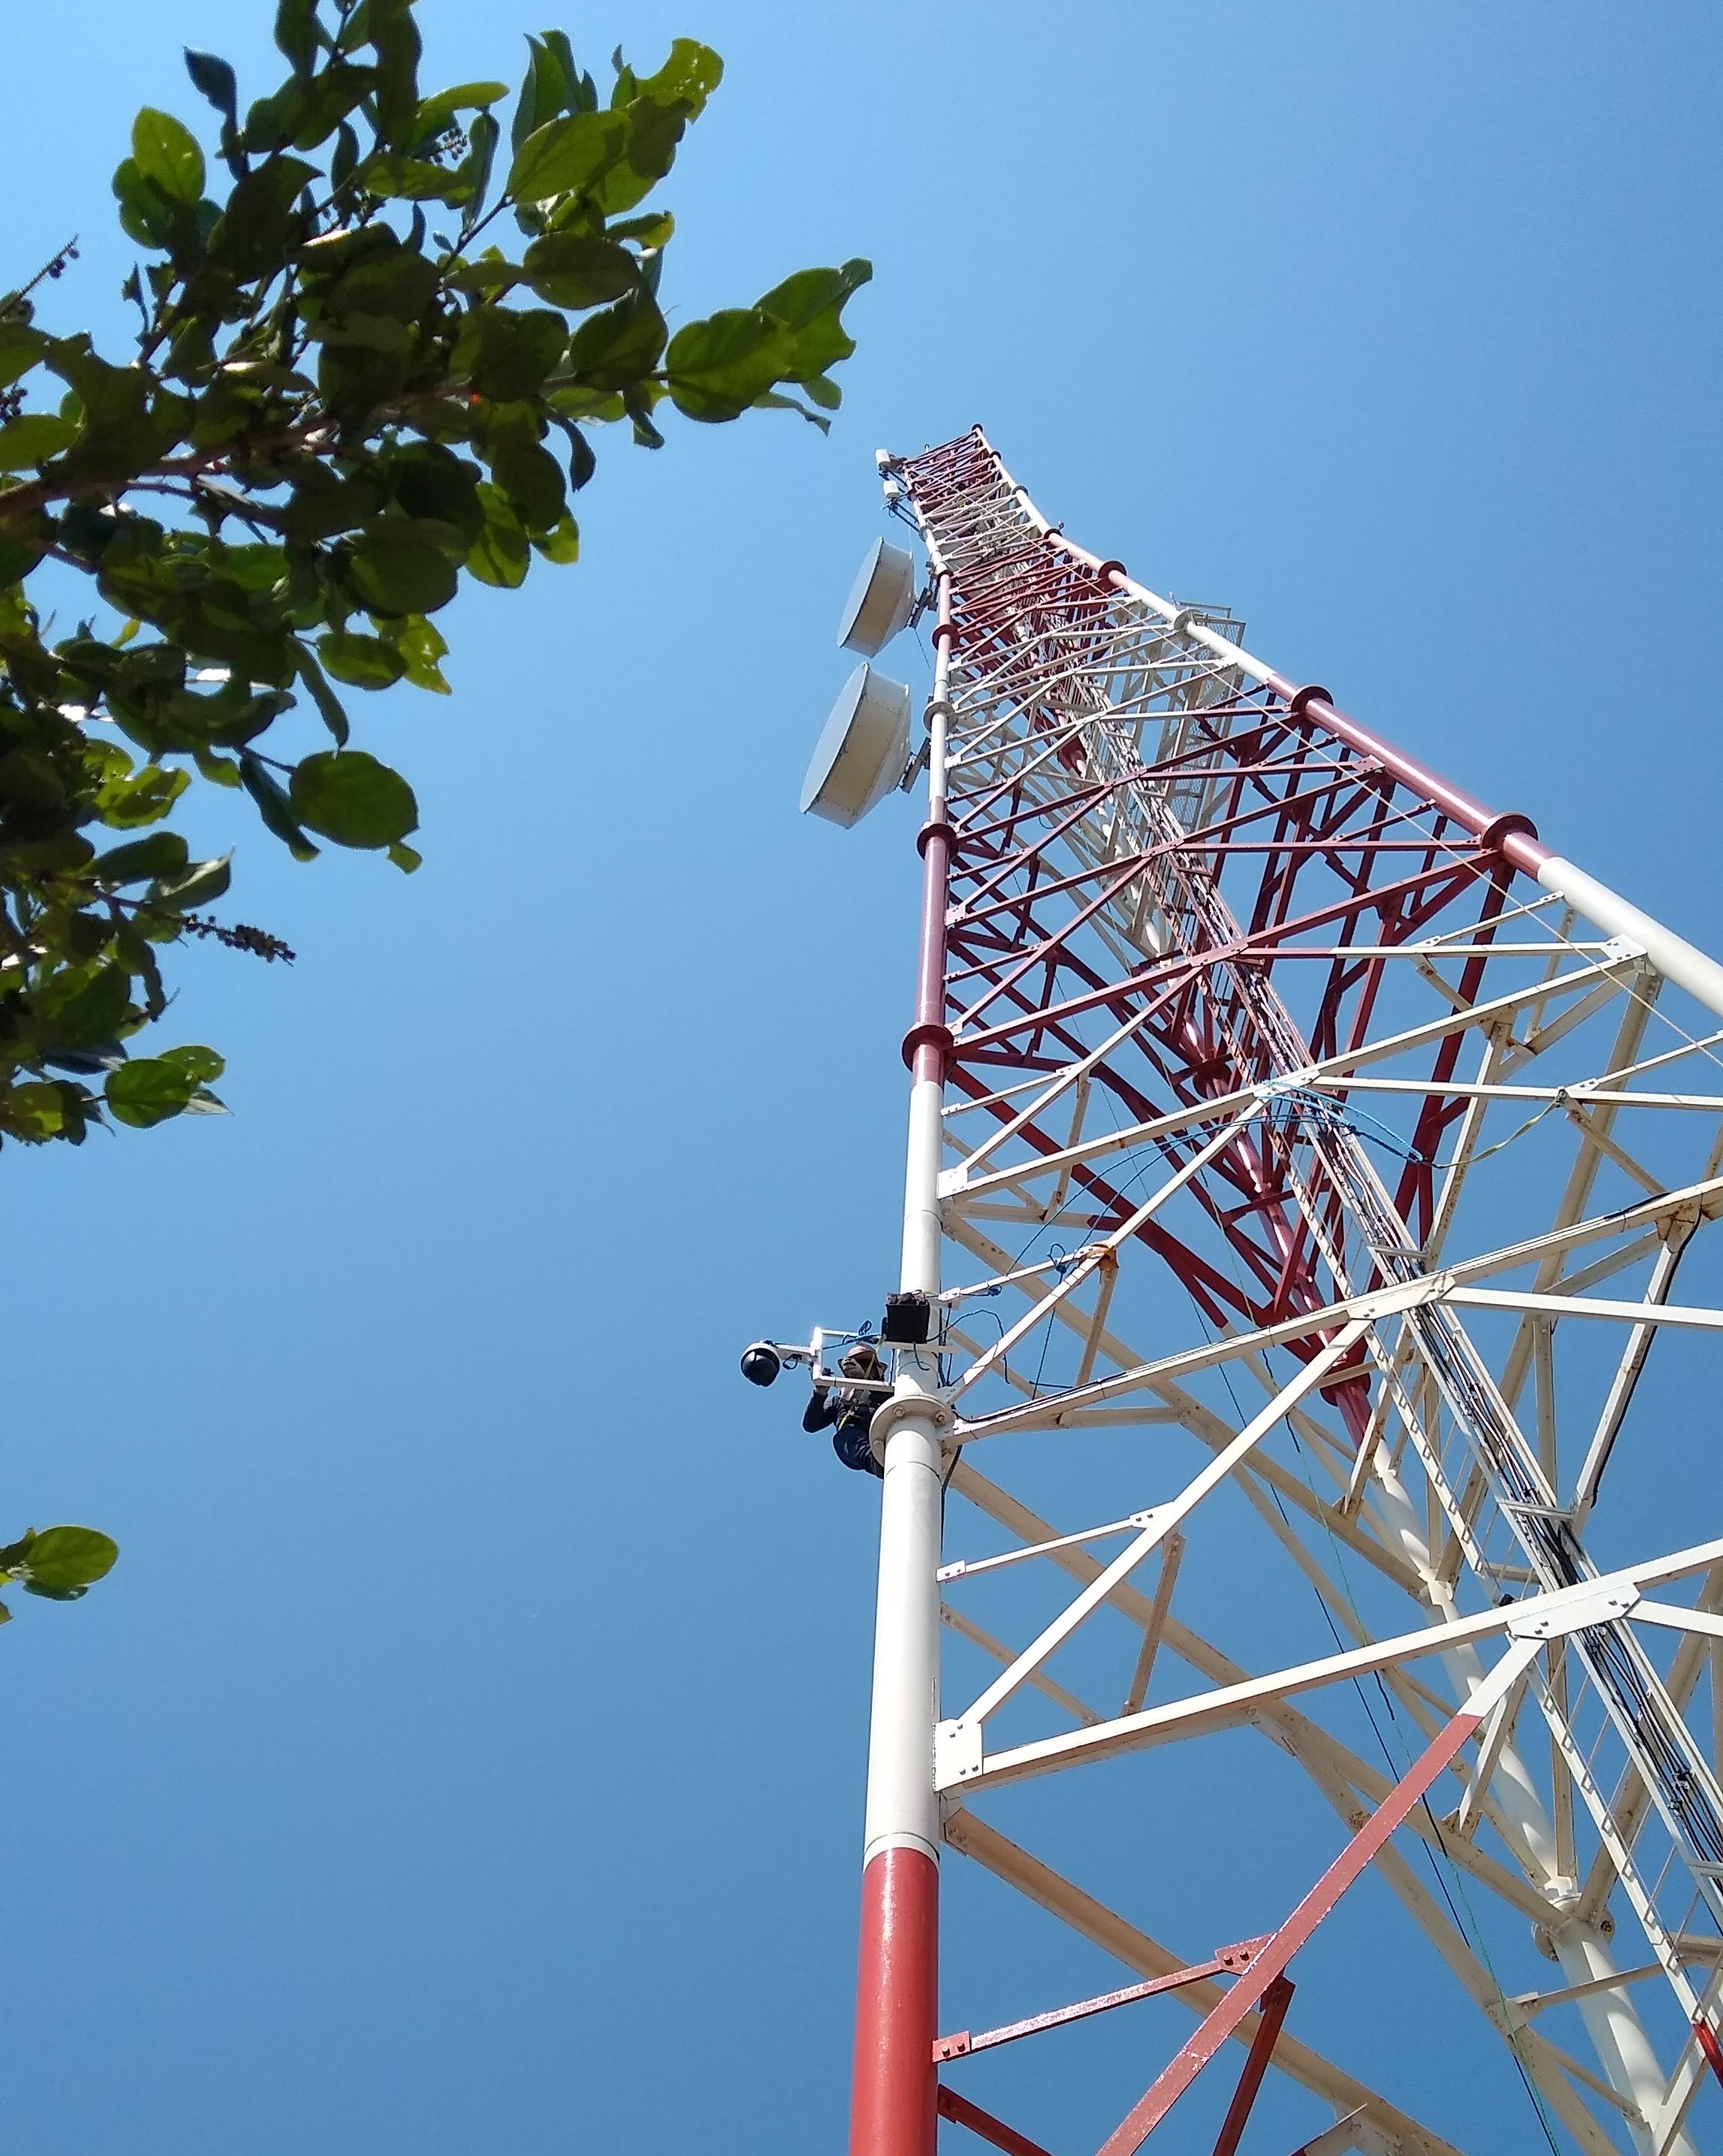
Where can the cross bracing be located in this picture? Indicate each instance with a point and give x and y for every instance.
(1325, 1189)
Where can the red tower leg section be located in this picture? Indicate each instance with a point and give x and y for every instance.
(897, 2008)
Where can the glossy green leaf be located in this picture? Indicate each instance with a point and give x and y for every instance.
(349, 797)
(575, 271)
(34, 1111)
(165, 152)
(202, 1065)
(560, 544)
(163, 853)
(614, 348)
(687, 78)
(419, 646)
(716, 368)
(502, 553)
(200, 884)
(565, 154)
(410, 179)
(530, 476)
(395, 571)
(147, 1090)
(808, 306)
(364, 662)
(436, 113)
(127, 803)
(68, 1558)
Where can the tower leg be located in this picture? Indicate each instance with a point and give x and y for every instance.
(893, 2106)
(897, 1998)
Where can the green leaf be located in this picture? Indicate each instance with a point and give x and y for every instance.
(215, 79)
(166, 151)
(127, 803)
(562, 544)
(774, 400)
(32, 439)
(395, 39)
(808, 305)
(200, 885)
(613, 349)
(565, 154)
(652, 230)
(320, 104)
(349, 797)
(576, 271)
(66, 1558)
(411, 179)
(502, 553)
(202, 1065)
(418, 644)
(484, 133)
(21, 347)
(638, 402)
(274, 806)
(163, 853)
(406, 858)
(364, 662)
(505, 354)
(82, 1012)
(35, 1111)
(218, 770)
(395, 571)
(716, 368)
(435, 114)
(296, 32)
(257, 230)
(687, 78)
(553, 85)
(147, 214)
(147, 1090)
(529, 475)
(328, 705)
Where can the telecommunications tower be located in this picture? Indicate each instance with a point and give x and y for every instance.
(1302, 1158)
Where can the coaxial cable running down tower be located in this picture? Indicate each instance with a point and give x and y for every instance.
(1302, 1158)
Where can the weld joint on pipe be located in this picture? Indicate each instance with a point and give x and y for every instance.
(938, 828)
(1513, 821)
(928, 1036)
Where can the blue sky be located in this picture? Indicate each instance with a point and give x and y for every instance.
(468, 1747)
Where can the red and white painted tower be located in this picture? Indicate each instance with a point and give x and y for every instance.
(1312, 1152)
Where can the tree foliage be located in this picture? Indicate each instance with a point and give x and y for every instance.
(346, 396)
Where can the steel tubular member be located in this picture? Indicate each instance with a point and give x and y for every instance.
(892, 2111)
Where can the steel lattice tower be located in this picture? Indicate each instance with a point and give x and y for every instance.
(1316, 1152)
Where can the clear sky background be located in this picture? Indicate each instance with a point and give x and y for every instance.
(468, 1751)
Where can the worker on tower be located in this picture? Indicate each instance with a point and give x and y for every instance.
(847, 1411)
